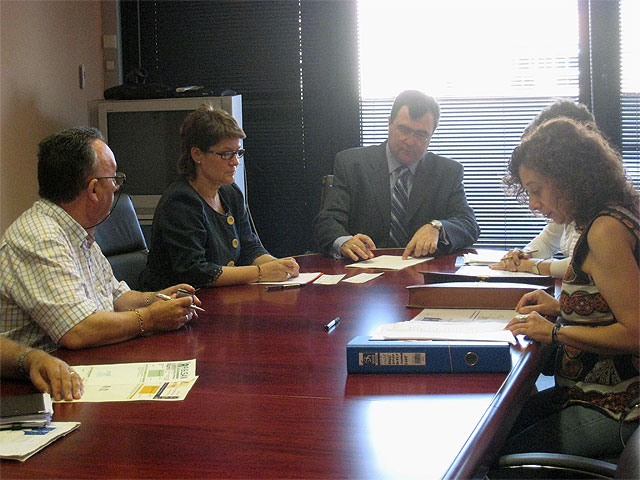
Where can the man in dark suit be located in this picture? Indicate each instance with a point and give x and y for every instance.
(376, 201)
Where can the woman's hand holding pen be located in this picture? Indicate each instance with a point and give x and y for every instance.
(530, 321)
(533, 326)
(279, 270)
(515, 260)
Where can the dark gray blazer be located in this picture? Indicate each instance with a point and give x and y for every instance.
(360, 200)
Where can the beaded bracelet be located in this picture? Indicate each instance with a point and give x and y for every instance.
(21, 361)
(149, 296)
(259, 273)
(139, 315)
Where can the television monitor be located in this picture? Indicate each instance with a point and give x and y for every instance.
(145, 138)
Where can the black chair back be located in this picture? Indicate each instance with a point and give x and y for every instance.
(122, 242)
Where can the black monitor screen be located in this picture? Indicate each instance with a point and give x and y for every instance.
(147, 148)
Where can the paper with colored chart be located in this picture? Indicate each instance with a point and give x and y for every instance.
(127, 382)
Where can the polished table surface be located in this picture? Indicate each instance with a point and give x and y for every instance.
(273, 398)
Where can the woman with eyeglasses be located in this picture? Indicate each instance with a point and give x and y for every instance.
(201, 232)
(570, 173)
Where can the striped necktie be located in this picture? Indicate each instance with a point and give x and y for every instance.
(399, 209)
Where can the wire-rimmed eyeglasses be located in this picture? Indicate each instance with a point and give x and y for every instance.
(407, 132)
(230, 154)
(118, 179)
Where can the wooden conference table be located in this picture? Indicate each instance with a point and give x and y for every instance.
(274, 400)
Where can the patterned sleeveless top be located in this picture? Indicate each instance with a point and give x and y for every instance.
(606, 382)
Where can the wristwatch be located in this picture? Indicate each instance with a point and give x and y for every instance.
(437, 224)
(535, 269)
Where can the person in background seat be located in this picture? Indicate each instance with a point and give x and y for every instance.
(397, 194)
(201, 232)
(554, 237)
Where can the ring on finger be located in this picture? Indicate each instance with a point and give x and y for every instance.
(522, 317)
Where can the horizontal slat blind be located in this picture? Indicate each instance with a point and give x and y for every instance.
(630, 87)
(253, 48)
(491, 72)
(480, 133)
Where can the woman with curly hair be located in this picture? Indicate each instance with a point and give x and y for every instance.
(570, 173)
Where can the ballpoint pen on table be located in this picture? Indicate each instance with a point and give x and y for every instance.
(333, 323)
(286, 286)
(167, 297)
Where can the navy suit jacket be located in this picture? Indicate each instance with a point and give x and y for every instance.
(360, 200)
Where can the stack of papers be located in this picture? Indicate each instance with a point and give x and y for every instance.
(484, 257)
(22, 444)
(388, 262)
(34, 410)
(486, 271)
(451, 324)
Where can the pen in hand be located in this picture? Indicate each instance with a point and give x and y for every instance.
(167, 297)
(520, 254)
(333, 323)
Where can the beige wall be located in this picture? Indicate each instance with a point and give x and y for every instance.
(42, 44)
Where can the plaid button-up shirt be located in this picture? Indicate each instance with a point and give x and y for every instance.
(52, 276)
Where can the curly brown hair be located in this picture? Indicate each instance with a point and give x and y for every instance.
(580, 163)
(203, 128)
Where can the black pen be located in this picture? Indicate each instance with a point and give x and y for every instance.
(333, 323)
(286, 286)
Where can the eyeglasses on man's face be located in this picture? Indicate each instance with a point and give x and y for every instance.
(420, 135)
(229, 154)
(118, 179)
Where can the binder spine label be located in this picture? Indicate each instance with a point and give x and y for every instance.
(392, 358)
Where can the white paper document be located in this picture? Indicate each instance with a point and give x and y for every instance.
(300, 279)
(389, 262)
(465, 315)
(484, 257)
(22, 444)
(329, 279)
(362, 277)
(451, 324)
(126, 382)
(485, 271)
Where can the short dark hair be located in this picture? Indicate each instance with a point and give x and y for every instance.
(584, 168)
(563, 107)
(203, 128)
(419, 105)
(65, 160)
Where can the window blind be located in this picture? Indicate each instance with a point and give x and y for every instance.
(480, 133)
(295, 65)
(506, 88)
(630, 87)
(253, 48)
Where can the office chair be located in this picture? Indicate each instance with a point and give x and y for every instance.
(122, 242)
(557, 465)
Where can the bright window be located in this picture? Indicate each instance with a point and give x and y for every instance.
(492, 65)
(630, 83)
